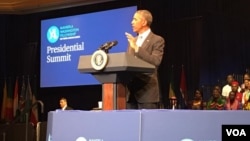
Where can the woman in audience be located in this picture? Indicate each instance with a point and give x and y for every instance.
(246, 95)
(216, 102)
(235, 86)
(197, 102)
(232, 103)
(246, 76)
(246, 106)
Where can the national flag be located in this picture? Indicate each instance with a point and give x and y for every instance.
(7, 105)
(15, 99)
(22, 94)
(171, 93)
(33, 113)
(9, 101)
(22, 99)
(28, 96)
(4, 101)
(183, 86)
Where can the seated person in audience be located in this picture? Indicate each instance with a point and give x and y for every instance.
(232, 103)
(218, 88)
(246, 76)
(216, 102)
(197, 102)
(246, 93)
(246, 105)
(227, 88)
(235, 87)
(64, 104)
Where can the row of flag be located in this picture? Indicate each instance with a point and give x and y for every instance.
(17, 103)
(183, 88)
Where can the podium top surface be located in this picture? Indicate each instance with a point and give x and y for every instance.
(117, 62)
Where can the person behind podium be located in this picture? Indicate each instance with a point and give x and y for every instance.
(64, 104)
(143, 89)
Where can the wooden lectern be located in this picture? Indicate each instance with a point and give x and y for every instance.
(119, 70)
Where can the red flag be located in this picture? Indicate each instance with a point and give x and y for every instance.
(33, 112)
(4, 101)
(7, 105)
(9, 102)
(15, 98)
(183, 86)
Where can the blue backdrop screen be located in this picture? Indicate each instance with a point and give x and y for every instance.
(64, 39)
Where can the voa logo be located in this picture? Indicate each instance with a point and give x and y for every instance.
(53, 34)
(236, 132)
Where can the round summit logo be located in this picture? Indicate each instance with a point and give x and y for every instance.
(81, 139)
(53, 34)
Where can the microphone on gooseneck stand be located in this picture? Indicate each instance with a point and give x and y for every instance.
(108, 45)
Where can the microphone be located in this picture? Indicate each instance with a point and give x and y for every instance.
(108, 45)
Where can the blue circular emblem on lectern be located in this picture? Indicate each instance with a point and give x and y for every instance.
(53, 34)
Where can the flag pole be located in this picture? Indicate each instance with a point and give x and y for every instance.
(27, 114)
(26, 125)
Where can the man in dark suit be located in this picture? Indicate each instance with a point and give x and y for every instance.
(64, 104)
(143, 90)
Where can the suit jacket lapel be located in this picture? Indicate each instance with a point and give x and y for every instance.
(147, 40)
